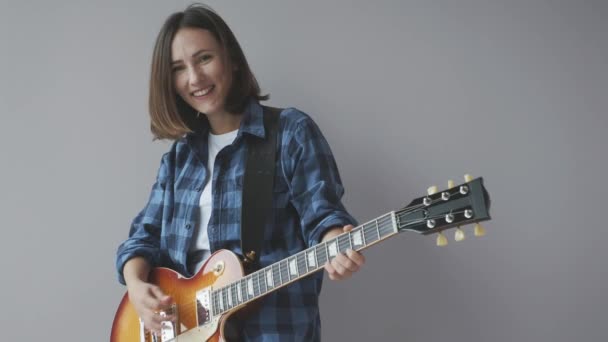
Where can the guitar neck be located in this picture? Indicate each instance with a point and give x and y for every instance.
(302, 264)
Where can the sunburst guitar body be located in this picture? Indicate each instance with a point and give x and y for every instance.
(222, 268)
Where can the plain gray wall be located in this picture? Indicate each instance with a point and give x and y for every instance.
(408, 93)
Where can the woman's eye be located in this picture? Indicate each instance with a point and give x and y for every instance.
(176, 69)
(204, 58)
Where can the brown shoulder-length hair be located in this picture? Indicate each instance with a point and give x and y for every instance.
(170, 116)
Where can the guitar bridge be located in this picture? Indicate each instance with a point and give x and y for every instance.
(168, 329)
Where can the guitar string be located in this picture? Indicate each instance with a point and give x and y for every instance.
(284, 266)
(379, 224)
(301, 259)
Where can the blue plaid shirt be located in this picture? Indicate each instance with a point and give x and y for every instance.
(306, 202)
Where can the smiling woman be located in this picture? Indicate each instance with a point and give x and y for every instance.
(200, 77)
(191, 46)
(205, 98)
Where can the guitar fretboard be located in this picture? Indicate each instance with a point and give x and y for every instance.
(281, 273)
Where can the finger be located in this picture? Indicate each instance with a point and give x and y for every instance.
(348, 228)
(341, 273)
(356, 257)
(340, 269)
(163, 301)
(346, 263)
(151, 303)
(329, 268)
(331, 271)
(157, 293)
(153, 323)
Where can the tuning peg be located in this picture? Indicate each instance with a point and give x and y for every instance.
(432, 190)
(468, 178)
(450, 184)
(441, 240)
(459, 234)
(479, 230)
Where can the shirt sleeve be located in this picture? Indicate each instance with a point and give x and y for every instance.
(144, 235)
(315, 185)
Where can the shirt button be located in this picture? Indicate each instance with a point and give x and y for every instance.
(188, 225)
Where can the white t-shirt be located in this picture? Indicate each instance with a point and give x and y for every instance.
(201, 238)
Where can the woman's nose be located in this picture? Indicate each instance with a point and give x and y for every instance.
(195, 76)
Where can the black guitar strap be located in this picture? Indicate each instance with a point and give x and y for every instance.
(257, 188)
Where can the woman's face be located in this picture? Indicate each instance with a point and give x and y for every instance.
(200, 75)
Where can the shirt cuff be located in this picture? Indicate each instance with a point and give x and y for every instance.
(328, 223)
(149, 255)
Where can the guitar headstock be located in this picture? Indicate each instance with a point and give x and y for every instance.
(455, 206)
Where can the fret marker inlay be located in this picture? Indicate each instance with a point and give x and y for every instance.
(333, 250)
(357, 241)
(311, 258)
(269, 278)
(293, 269)
(250, 286)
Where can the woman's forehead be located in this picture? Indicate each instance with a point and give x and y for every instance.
(188, 42)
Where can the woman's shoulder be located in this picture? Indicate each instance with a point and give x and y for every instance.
(293, 120)
(178, 152)
(294, 115)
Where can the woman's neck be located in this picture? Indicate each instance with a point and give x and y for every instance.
(224, 123)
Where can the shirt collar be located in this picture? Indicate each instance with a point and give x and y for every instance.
(252, 123)
(253, 120)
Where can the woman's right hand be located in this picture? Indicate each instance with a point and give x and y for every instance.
(149, 300)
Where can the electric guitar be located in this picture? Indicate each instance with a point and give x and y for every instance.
(203, 303)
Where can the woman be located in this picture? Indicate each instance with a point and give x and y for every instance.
(204, 97)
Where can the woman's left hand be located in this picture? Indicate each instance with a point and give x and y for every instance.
(343, 265)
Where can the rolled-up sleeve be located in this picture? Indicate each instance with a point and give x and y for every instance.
(144, 235)
(315, 185)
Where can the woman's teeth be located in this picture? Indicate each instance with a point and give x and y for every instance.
(203, 92)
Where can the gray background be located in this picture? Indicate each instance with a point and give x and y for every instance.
(408, 93)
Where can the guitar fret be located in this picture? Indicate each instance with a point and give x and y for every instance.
(264, 287)
(214, 306)
(235, 295)
(343, 242)
(284, 273)
(321, 254)
(235, 292)
(363, 236)
(243, 290)
(256, 284)
(377, 229)
(276, 273)
(301, 261)
(350, 242)
(221, 301)
(366, 236)
(259, 287)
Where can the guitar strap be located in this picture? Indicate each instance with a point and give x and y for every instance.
(257, 188)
